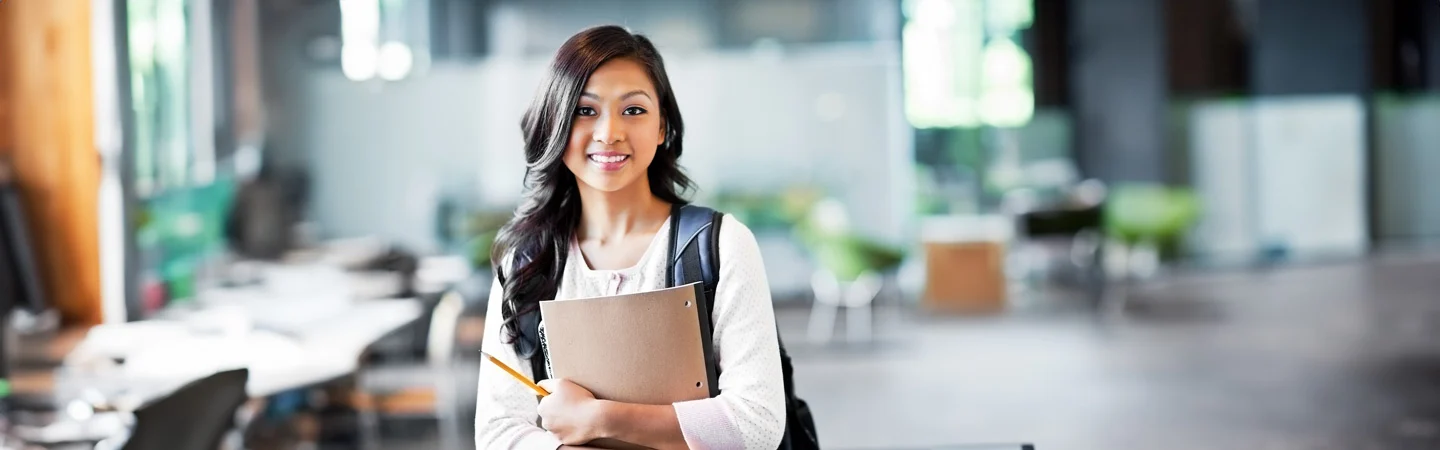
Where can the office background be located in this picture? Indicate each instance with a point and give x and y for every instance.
(1082, 224)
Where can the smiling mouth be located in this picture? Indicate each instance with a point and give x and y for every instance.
(609, 159)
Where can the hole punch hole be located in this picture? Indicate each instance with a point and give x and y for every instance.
(697, 384)
(687, 303)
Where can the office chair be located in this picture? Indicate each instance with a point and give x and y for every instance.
(195, 417)
(1143, 218)
(1071, 227)
(849, 268)
(385, 387)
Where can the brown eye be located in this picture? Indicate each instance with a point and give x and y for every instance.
(634, 111)
(584, 111)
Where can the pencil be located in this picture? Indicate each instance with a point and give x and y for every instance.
(517, 375)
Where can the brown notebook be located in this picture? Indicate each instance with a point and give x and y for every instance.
(649, 347)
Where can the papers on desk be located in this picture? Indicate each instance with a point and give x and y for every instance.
(205, 355)
(226, 331)
(302, 325)
(160, 355)
(134, 362)
(116, 341)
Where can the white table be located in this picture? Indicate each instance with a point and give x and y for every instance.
(162, 355)
(306, 324)
(332, 348)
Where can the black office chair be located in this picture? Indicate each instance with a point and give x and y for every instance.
(195, 417)
(1080, 229)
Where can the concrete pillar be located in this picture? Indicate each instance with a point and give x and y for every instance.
(1118, 89)
(1310, 47)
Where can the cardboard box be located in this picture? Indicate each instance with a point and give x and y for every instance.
(965, 277)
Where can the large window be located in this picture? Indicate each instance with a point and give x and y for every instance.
(159, 93)
(963, 64)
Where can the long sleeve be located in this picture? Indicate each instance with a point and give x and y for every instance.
(505, 414)
(749, 413)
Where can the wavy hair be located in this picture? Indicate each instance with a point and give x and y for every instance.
(536, 241)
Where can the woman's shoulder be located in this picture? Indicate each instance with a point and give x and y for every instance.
(734, 235)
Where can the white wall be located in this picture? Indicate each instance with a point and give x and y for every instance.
(1222, 173)
(1310, 156)
(1286, 171)
(380, 155)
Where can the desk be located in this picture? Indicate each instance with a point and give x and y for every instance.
(162, 355)
(332, 348)
(303, 325)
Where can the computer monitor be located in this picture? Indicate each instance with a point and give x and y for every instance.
(20, 284)
(19, 274)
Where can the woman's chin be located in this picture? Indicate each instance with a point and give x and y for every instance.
(607, 182)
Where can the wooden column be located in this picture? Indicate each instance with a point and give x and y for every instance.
(47, 130)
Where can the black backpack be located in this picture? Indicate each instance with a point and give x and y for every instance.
(695, 235)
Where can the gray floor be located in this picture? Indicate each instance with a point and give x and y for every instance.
(1335, 357)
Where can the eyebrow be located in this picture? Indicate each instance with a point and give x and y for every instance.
(593, 96)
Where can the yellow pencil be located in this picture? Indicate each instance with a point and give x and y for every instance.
(517, 375)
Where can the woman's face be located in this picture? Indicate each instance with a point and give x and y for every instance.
(617, 127)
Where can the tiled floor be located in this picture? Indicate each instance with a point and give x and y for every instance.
(1333, 357)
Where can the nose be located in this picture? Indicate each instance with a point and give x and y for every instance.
(608, 131)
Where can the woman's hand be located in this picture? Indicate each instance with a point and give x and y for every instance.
(570, 412)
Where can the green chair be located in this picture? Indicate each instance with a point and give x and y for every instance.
(1138, 213)
(848, 274)
(1142, 219)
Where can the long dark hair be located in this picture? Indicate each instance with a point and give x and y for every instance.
(537, 240)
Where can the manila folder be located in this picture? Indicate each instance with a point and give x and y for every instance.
(649, 347)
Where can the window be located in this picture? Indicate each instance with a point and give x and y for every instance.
(963, 67)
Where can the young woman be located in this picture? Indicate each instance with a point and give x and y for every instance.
(602, 143)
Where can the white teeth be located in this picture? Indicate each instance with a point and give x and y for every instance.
(608, 159)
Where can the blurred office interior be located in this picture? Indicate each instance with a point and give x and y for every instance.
(1081, 224)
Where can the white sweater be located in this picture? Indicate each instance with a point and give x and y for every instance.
(749, 413)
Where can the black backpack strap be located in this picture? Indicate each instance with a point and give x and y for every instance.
(695, 247)
(529, 325)
(694, 256)
(531, 341)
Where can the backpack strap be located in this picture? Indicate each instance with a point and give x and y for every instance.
(528, 341)
(694, 247)
(694, 257)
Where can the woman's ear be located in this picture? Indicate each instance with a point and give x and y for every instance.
(664, 133)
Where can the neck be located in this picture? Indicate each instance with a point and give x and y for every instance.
(613, 215)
